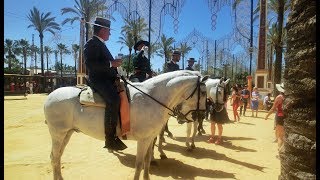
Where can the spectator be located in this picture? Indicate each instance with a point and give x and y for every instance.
(218, 118)
(27, 87)
(267, 104)
(31, 87)
(255, 101)
(279, 107)
(235, 98)
(245, 95)
(12, 87)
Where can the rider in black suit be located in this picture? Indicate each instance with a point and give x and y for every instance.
(172, 65)
(102, 77)
(191, 61)
(190, 64)
(140, 62)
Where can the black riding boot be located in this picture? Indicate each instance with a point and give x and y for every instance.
(112, 142)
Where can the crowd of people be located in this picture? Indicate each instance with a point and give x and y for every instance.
(30, 87)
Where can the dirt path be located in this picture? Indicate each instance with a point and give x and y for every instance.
(247, 152)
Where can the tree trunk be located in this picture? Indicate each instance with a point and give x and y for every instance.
(298, 159)
(278, 46)
(42, 63)
(61, 64)
(25, 62)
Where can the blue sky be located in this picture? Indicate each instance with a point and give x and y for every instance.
(194, 15)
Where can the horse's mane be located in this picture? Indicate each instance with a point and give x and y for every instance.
(171, 75)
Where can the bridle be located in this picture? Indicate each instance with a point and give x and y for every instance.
(215, 104)
(196, 111)
(176, 111)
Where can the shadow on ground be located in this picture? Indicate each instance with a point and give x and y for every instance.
(205, 137)
(200, 153)
(175, 168)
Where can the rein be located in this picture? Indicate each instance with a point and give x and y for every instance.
(175, 111)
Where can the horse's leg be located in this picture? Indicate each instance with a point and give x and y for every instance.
(142, 149)
(189, 125)
(200, 127)
(160, 146)
(195, 127)
(153, 162)
(147, 160)
(59, 142)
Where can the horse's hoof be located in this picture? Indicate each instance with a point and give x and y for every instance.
(163, 157)
(199, 134)
(154, 163)
(203, 131)
(193, 146)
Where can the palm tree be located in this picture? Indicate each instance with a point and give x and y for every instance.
(137, 28)
(56, 52)
(42, 23)
(298, 160)
(166, 47)
(280, 7)
(75, 50)
(126, 39)
(154, 48)
(185, 49)
(8, 49)
(47, 51)
(272, 37)
(34, 51)
(271, 41)
(62, 50)
(84, 9)
(25, 48)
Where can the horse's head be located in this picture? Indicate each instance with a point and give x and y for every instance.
(217, 92)
(193, 98)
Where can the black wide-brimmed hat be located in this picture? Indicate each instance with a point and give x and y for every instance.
(146, 43)
(102, 22)
(191, 60)
(176, 52)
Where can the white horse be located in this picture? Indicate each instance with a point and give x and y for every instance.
(64, 114)
(215, 93)
(215, 89)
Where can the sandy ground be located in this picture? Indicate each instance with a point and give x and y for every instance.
(248, 151)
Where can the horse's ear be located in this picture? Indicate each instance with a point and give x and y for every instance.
(227, 81)
(205, 78)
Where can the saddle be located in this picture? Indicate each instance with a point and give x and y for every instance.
(88, 96)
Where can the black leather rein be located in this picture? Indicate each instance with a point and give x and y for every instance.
(175, 111)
